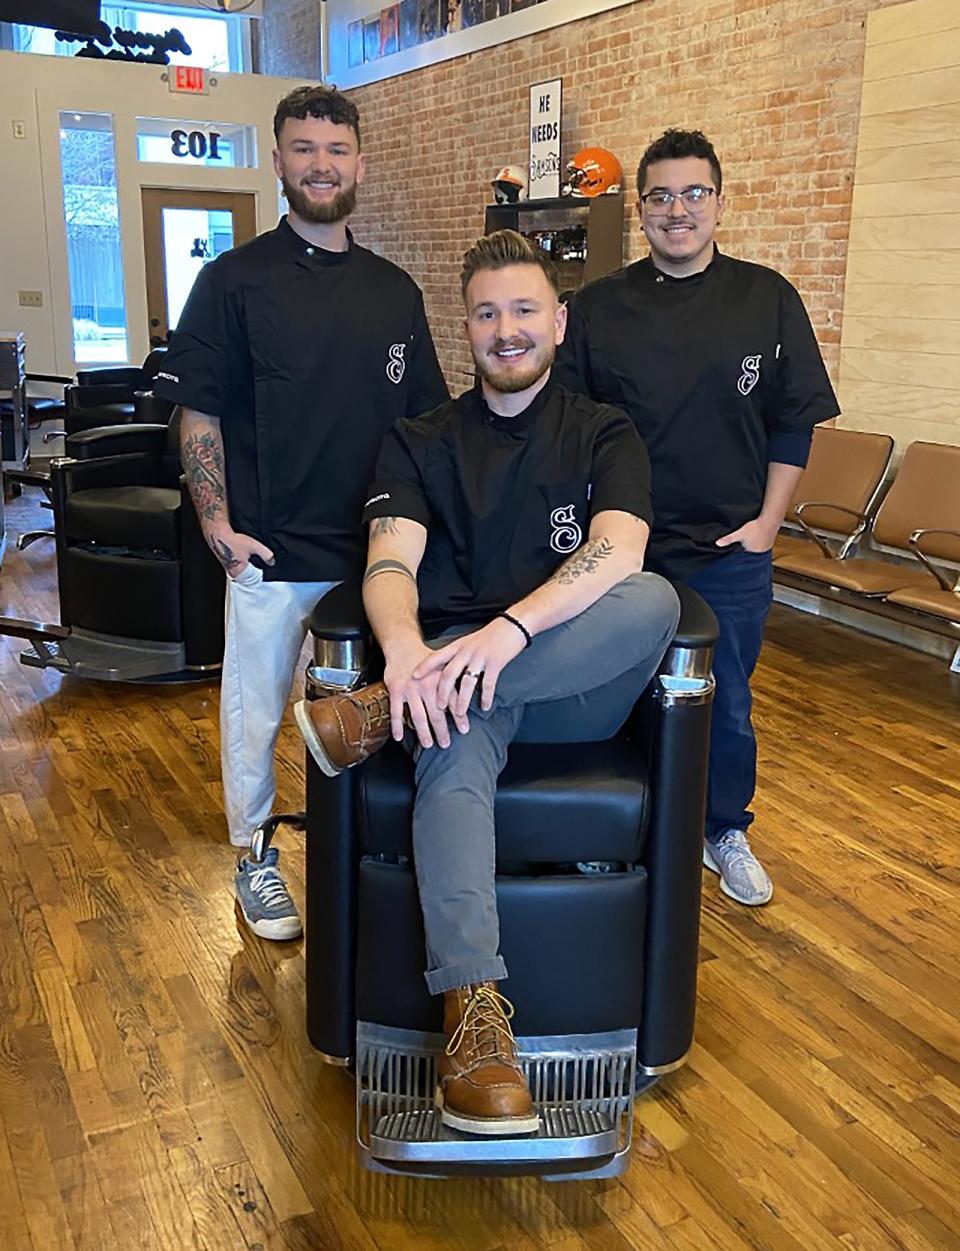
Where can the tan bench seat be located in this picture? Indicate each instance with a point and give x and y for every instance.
(864, 574)
(933, 600)
(788, 545)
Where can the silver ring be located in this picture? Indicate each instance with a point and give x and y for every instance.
(467, 673)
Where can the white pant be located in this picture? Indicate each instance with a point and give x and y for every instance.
(267, 623)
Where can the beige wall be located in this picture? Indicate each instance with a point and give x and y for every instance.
(33, 251)
(900, 347)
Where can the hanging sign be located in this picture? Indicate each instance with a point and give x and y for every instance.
(128, 45)
(545, 140)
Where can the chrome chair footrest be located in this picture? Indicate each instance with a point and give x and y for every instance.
(582, 1084)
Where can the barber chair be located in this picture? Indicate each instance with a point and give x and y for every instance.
(109, 397)
(141, 594)
(98, 398)
(599, 849)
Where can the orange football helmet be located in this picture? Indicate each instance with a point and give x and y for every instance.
(593, 171)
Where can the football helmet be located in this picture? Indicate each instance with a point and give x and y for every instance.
(509, 185)
(593, 171)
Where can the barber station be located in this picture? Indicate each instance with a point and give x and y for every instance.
(479, 624)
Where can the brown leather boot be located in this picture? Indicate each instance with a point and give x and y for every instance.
(343, 730)
(481, 1087)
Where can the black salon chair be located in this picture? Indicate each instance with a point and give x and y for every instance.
(41, 406)
(141, 594)
(115, 396)
(99, 397)
(599, 851)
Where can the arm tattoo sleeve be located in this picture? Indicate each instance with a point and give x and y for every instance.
(383, 525)
(387, 566)
(202, 456)
(584, 560)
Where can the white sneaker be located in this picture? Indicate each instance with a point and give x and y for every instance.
(742, 876)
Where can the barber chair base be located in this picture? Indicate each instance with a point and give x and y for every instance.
(582, 1084)
(106, 658)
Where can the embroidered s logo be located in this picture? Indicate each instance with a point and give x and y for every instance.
(751, 374)
(396, 363)
(567, 535)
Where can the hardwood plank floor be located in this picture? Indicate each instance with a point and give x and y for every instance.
(157, 1089)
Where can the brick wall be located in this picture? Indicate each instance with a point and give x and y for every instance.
(775, 84)
(288, 39)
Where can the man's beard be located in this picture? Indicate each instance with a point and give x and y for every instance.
(321, 214)
(508, 380)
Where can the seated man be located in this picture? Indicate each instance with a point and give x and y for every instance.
(496, 616)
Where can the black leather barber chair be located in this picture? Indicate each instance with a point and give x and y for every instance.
(141, 594)
(98, 398)
(108, 397)
(40, 406)
(599, 852)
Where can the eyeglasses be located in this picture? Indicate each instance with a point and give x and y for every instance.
(694, 199)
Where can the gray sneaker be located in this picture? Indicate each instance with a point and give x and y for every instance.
(264, 899)
(742, 876)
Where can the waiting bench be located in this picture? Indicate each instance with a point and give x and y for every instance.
(917, 523)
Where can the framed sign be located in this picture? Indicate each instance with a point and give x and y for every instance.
(544, 178)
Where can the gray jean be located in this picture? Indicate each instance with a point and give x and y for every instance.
(576, 683)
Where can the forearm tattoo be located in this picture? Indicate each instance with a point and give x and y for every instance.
(387, 566)
(202, 456)
(383, 525)
(584, 560)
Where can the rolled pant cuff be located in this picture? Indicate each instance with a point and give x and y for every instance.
(451, 976)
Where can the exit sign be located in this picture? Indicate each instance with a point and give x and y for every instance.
(191, 79)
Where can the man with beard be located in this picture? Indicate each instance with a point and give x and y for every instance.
(294, 355)
(492, 610)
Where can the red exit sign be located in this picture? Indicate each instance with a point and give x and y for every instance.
(191, 79)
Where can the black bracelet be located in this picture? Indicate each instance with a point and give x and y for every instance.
(520, 626)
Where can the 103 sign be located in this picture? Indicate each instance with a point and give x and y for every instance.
(196, 144)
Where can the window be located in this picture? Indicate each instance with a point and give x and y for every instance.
(217, 40)
(95, 261)
(173, 141)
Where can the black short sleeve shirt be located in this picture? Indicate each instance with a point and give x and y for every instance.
(505, 500)
(307, 357)
(710, 368)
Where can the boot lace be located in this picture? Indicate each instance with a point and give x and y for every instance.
(484, 1028)
(377, 710)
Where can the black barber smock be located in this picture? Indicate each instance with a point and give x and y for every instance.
(505, 500)
(717, 370)
(307, 357)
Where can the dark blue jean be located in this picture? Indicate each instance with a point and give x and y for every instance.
(739, 589)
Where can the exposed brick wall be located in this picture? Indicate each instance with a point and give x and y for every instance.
(776, 86)
(289, 39)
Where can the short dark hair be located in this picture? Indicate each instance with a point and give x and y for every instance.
(503, 248)
(673, 145)
(324, 102)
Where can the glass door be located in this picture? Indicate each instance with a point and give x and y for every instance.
(182, 231)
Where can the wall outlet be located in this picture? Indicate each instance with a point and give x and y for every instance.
(31, 299)
(19, 129)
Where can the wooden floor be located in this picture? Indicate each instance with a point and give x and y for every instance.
(157, 1089)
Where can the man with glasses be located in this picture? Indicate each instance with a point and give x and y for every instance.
(717, 363)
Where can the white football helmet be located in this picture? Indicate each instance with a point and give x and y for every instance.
(509, 185)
